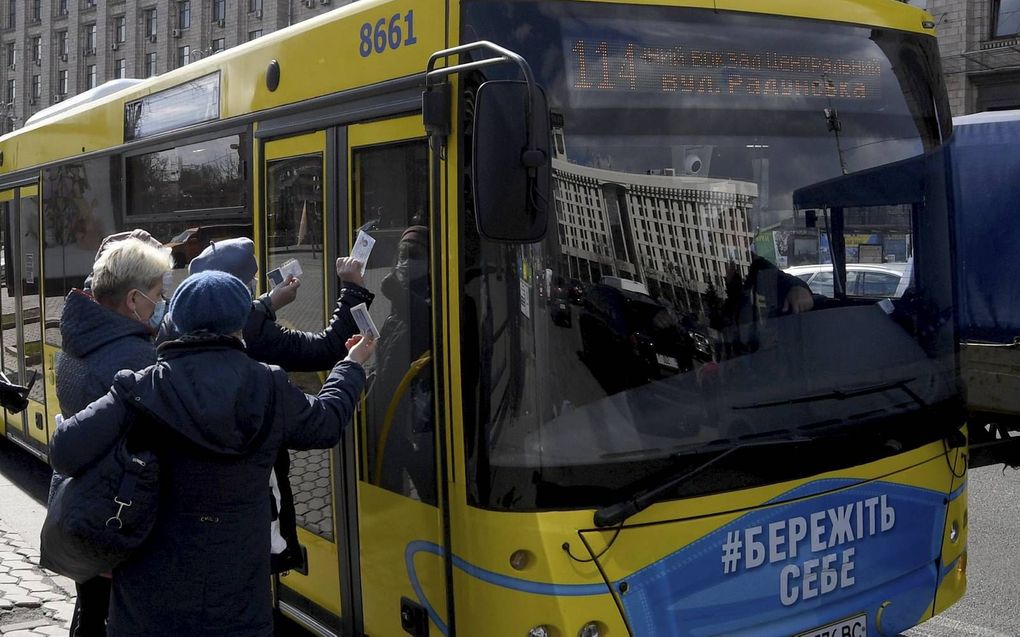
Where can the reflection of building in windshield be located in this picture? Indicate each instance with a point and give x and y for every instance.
(667, 231)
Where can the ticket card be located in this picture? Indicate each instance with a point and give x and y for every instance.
(290, 268)
(362, 249)
(364, 320)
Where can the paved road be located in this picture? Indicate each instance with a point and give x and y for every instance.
(990, 609)
(992, 605)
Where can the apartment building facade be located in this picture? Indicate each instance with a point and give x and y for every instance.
(53, 49)
(980, 45)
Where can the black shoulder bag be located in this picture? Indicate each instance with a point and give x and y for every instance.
(96, 520)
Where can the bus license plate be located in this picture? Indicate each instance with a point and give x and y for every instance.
(852, 627)
(667, 361)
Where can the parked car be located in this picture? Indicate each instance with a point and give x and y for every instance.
(189, 244)
(885, 280)
(632, 334)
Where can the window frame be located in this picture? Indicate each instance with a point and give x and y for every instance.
(120, 29)
(184, 14)
(150, 18)
(994, 23)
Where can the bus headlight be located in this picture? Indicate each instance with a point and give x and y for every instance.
(539, 631)
(954, 532)
(591, 629)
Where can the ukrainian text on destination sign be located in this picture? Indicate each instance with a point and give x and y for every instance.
(602, 65)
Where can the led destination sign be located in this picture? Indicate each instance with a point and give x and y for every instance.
(601, 67)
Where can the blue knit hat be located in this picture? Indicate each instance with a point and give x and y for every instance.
(234, 256)
(210, 301)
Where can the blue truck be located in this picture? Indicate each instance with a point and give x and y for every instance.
(985, 164)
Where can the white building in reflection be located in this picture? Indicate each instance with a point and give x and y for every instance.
(664, 230)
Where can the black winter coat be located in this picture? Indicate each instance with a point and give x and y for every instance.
(269, 342)
(297, 351)
(217, 419)
(96, 344)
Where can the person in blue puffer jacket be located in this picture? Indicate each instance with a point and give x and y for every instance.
(216, 419)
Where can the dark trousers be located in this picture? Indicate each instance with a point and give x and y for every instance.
(91, 608)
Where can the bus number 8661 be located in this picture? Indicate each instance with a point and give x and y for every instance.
(387, 34)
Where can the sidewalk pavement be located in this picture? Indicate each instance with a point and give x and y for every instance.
(32, 604)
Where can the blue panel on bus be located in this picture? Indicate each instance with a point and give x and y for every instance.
(785, 569)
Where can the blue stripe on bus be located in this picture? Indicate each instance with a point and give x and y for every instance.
(489, 577)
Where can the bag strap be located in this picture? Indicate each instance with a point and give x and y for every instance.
(126, 491)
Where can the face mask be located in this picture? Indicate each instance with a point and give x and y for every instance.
(158, 310)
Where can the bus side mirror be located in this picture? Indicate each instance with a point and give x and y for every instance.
(511, 168)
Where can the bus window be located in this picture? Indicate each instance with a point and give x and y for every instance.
(78, 211)
(189, 195)
(204, 176)
(391, 197)
(30, 308)
(294, 230)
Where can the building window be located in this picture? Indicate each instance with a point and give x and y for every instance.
(219, 10)
(183, 55)
(62, 43)
(62, 82)
(184, 14)
(1006, 18)
(62, 7)
(88, 4)
(218, 45)
(37, 49)
(254, 5)
(36, 87)
(11, 54)
(11, 92)
(90, 39)
(257, 33)
(120, 68)
(36, 10)
(150, 64)
(12, 13)
(150, 22)
(120, 29)
(90, 76)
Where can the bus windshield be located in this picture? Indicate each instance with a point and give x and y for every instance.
(748, 240)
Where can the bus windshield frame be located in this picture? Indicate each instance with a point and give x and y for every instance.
(698, 155)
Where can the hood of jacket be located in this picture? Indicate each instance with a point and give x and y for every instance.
(209, 391)
(85, 325)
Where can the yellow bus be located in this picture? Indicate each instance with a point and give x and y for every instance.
(600, 405)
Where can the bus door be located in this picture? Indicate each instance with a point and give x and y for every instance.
(294, 224)
(22, 316)
(399, 522)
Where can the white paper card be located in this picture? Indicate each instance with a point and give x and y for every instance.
(290, 268)
(362, 249)
(364, 320)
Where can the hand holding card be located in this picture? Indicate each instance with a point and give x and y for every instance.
(362, 249)
(290, 268)
(364, 320)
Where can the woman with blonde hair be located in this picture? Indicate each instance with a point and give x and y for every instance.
(104, 330)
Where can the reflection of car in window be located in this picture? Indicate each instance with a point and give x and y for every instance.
(559, 307)
(576, 291)
(188, 244)
(621, 329)
(878, 280)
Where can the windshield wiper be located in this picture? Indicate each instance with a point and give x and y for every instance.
(614, 514)
(836, 394)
